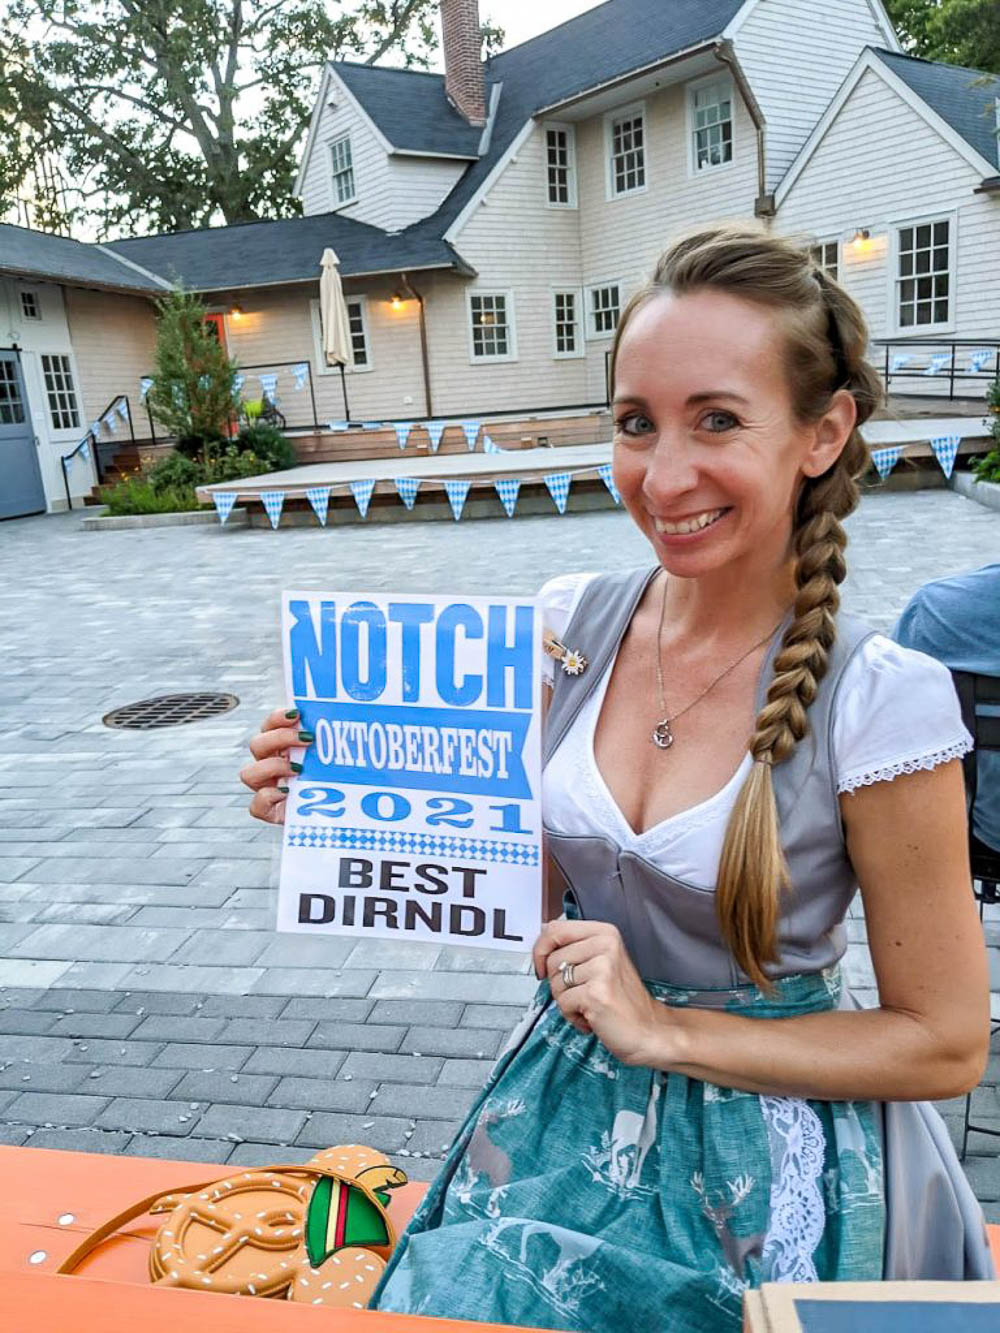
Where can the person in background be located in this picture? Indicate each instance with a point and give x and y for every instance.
(957, 620)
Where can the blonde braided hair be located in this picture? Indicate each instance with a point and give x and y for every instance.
(825, 348)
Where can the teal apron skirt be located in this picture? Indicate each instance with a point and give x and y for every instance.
(585, 1194)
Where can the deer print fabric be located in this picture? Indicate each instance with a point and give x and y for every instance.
(584, 1194)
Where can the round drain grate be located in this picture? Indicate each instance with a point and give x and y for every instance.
(170, 710)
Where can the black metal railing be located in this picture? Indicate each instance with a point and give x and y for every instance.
(93, 441)
(972, 361)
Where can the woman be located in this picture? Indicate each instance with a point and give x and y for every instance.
(693, 1104)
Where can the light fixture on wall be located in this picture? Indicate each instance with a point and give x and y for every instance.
(396, 301)
(861, 236)
(235, 310)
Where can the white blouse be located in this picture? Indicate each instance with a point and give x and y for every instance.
(897, 712)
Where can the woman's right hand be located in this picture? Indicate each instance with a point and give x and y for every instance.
(266, 776)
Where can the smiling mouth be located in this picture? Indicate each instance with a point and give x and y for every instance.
(697, 523)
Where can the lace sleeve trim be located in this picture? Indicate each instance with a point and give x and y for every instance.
(914, 765)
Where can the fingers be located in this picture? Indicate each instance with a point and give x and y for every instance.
(558, 934)
(273, 740)
(268, 804)
(266, 773)
(578, 954)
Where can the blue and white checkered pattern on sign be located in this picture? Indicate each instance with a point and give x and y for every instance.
(471, 429)
(418, 844)
(604, 472)
(362, 492)
(457, 491)
(946, 451)
(435, 429)
(558, 484)
(224, 501)
(886, 459)
(402, 429)
(507, 489)
(319, 498)
(273, 502)
(407, 488)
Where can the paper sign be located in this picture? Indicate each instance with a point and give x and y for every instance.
(417, 814)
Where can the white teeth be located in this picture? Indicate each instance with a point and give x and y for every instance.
(690, 524)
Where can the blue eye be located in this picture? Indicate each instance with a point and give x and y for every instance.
(634, 423)
(717, 421)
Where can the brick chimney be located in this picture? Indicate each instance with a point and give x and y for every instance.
(462, 41)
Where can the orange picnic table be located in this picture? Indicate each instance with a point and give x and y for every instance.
(50, 1201)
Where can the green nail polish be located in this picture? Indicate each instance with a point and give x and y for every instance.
(281, 788)
(292, 712)
(296, 768)
(306, 737)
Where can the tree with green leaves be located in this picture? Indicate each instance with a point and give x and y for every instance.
(169, 114)
(960, 32)
(193, 395)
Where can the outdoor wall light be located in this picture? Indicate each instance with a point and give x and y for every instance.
(235, 311)
(396, 301)
(861, 236)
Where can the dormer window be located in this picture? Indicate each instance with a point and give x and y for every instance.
(342, 166)
(711, 119)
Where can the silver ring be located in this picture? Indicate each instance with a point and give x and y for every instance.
(566, 970)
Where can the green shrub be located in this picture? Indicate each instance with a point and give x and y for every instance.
(139, 496)
(987, 468)
(175, 471)
(268, 443)
(232, 463)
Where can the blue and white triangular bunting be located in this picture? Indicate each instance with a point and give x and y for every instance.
(558, 485)
(273, 502)
(937, 363)
(238, 382)
(301, 372)
(407, 488)
(435, 429)
(489, 447)
(110, 420)
(85, 451)
(336, 425)
(402, 429)
(978, 359)
(946, 451)
(886, 459)
(507, 489)
(457, 491)
(223, 501)
(268, 385)
(145, 384)
(900, 360)
(362, 492)
(319, 498)
(604, 472)
(471, 429)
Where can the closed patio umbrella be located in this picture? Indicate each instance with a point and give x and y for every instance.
(333, 317)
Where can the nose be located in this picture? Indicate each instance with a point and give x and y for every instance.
(670, 473)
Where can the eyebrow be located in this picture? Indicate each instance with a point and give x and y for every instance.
(693, 400)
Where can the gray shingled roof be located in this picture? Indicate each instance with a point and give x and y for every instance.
(255, 254)
(411, 109)
(968, 106)
(38, 254)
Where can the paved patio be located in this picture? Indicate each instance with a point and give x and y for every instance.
(146, 1004)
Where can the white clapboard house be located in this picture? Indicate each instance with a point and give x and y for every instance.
(491, 222)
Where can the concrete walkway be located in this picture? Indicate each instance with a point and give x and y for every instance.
(148, 1006)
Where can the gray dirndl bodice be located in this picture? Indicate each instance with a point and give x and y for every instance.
(935, 1227)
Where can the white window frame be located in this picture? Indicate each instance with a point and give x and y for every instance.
(611, 119)
(35, 296)
(570, 131)
(508, 296)
(895, 227)
(319, 360)
(331, 145)
(821, 243)
(578, 323)
(590, 332)
(710, 168)
(76, 403)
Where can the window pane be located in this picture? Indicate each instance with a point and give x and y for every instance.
(923, 259)
(940, 233)
(11, 403)
(923, 235)
(924, 288)
(907, 290)
(940, 312)
(941, 259)
(906, 264)
(905, 316)
(61, 393)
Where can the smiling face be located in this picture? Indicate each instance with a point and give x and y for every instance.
(709, 454)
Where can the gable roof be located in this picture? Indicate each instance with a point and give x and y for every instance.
(269, 253)
(964, 98)
(40, 255)
(411, 109)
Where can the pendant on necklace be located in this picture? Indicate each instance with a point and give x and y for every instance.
(662, 736)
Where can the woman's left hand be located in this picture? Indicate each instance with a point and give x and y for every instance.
(607, 997)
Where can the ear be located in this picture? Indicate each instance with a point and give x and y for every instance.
(830, 434)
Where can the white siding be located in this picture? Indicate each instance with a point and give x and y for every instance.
(881, 164)
(392, 191)
(796, 54)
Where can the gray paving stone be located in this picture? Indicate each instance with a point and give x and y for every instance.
(328, 1011)
(104, 1051)
(224, 948)
(306, 981)
(245, 1006)
(39, 1108)
(384, 1133)
(319, 1094)
(95, 975)
(79, 1140)
(129, 1081)
(263, 1154)
(182, 1150)
(23, 996)
(283, 1060)
(470, 1043)
(241, 873)
(481, 960)
(96, 1025)
(294, 951)
(357, 1037)
(433, 1136)
(193, 978)
(98, 943)
(218, 850)
(87, 914)
(154, 1002)
(416, 1168)
(147, 1115)
(389, 954)
(247, 1090)
(262, 1124)
(426, 1013)
(465, 1073)
(12, 1136)
(48, 1049)
(423, 1103)
(184, 1055)
(174, 1027)
(13, 867)
(116, 870)
(27, 1075)
(398, 1068)
(467, 986)
(30, 972)
(268, 1031)
(25, 1022)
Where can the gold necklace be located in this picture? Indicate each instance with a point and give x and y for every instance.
(661, 735)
